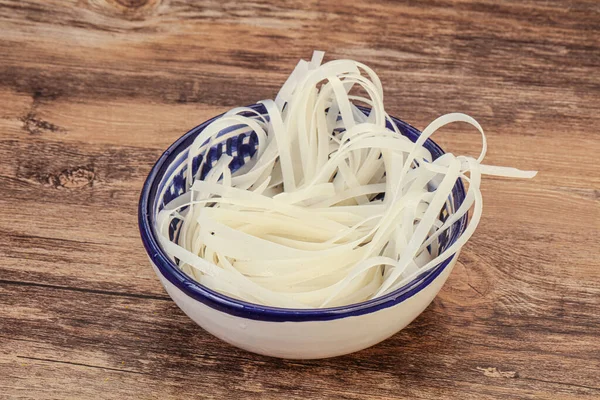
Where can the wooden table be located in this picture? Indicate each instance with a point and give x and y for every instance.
(93, 91)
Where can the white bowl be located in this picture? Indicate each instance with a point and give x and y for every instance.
(280, 332)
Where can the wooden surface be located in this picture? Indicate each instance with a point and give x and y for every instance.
(93, 91)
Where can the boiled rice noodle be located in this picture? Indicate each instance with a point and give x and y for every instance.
(334, 208)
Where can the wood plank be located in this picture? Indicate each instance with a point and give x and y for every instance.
(152, 338)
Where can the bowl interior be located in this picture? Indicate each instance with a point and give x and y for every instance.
(159, 191)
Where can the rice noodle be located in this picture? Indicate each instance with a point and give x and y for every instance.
(335, 207)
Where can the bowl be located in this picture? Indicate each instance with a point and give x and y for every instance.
(282, 332)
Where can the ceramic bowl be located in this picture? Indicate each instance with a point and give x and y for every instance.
(281, 332)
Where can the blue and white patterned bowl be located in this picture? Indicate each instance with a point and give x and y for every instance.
(281, 332)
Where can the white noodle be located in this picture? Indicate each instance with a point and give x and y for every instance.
(303, 223)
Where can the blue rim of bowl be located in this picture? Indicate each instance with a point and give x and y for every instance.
(240, 308)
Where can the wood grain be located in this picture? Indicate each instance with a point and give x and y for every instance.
(93, 91)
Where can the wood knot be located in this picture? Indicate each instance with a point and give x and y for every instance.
(134, 4)
(493, 372)
(128, 9)
(75, 178)
(35, 125)
(44, 93)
